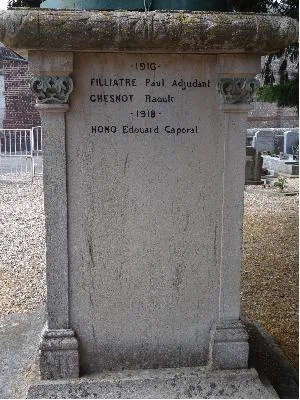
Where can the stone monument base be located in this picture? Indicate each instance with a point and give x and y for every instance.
(197, 382)
(281, 167)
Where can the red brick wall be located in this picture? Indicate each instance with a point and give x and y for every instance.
(19, 101)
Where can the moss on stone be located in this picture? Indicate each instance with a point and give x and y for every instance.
(199, 32)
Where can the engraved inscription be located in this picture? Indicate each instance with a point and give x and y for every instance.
(111, 98)
(133, 129)
(150, 96)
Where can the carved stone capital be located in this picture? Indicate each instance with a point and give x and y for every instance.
(52, 89)
(59, 354)
(237, 90)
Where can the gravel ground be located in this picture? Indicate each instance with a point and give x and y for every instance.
(22, 254)
(271, 263)
(270, 268)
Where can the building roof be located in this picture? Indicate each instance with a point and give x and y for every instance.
(8, 54)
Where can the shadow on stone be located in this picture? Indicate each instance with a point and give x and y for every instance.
(270, 362)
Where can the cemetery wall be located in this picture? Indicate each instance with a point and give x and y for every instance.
(268, 115)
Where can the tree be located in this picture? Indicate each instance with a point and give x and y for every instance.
(252, 6)
(23, 3)
(284, 92)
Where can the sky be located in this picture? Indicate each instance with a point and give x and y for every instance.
(3, 4)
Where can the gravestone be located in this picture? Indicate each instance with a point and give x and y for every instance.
(263, 140)
(291, 138)
(278, 144)
(253, 169)
(274, 139)
(250, 133)
(143, 118)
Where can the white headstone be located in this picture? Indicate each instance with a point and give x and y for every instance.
(264, 140)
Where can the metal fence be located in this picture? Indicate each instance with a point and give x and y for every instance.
(21, 153)
(36, 150)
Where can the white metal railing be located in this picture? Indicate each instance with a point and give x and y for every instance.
(36, 150)
(21, 152)
(37, 139)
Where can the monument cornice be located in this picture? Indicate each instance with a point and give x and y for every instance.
(155, 31)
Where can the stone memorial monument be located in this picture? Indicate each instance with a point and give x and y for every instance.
(144, 114)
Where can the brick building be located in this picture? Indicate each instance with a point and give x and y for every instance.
(18, 102)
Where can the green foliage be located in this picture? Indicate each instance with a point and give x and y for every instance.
(285, 95)
(295, 150)
(281, 184)
(285, 92)
(289, 8)
(252, 6)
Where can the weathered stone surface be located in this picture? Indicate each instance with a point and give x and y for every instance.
(147, 213)
(229, 346)
(59, 354)
(183, 383)
(52, 89)
(55, 201)
(238, 90)
(143, 255)
(152, 31)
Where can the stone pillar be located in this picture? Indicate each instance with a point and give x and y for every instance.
(52, 87)
(229, 341)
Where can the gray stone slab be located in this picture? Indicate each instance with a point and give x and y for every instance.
(269, 139)
(277, 131)
(291, 138)
(144, 210)
(180, 383)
